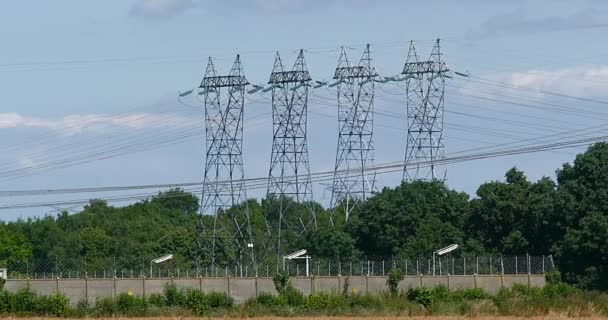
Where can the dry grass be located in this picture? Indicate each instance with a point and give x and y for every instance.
(548, 317)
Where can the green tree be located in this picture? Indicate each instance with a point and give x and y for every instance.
(583, 207)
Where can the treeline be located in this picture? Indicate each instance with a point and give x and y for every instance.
(567, 218)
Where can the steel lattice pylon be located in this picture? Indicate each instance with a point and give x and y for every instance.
(425, 85)
(355, 152)
(223, 188)
(289, 175)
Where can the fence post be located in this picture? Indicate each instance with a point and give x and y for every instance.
(528, 261)
(502, 266)
(406, 267)
(476, 265)
(491, 269)
(464, 266)
(543, 264)
(516, 270)
(86, 288)
(143, 285)
(383, 268)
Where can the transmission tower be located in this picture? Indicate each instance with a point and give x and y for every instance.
(352, 183)
(289, 176)
(425, 85)
(223, 186)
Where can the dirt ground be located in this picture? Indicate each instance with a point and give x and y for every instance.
(548, 317)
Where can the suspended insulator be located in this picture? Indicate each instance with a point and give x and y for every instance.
(183, 94)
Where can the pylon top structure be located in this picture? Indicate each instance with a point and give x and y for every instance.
(224, 186)
(425, 87)
(353, 182)
(289, 175)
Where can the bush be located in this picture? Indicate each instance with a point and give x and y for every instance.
(56, 305)
(173, 296)
(105, 307)
(318, 301)
(421, 296)
(293, 297)
(23, 302)
(394, 277)
(197, 301)
(281, 282)
(269, 300)
(130, 305)
(157, 300)
(474, 294)
(220, 300)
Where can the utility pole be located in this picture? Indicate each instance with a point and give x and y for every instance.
(289, 175)
(355, 152)
(425, 87)
(224, 188)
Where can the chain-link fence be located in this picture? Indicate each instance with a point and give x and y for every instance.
(468, 265)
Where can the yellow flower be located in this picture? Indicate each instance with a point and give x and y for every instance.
(130, 292)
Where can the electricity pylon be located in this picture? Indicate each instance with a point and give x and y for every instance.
(289, 175)
(224, 188)
(425, 87)
(352, 182)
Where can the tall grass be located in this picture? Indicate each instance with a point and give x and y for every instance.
(518, 300)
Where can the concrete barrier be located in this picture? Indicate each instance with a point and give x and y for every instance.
(242, 289)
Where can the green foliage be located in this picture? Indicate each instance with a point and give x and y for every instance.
(421, 296)
(104, 307)
(474, 294)
(173, 296)
(197, 301)
(130, 305)
(281, 282)
(394, 277)
(156, 300)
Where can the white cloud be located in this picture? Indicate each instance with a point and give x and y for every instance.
(583, 81)
(160, 8)
(518, 22)
(77, 123)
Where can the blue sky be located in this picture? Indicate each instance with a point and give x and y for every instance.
(80, 76)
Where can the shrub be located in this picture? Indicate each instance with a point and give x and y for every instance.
(421, 296)
(293, 296)
(558, 290)
(57, 305)
(131, 305)
(157, 300)
(24, 301)
(269, 300)
(394, 277)
(474, 294)
(173, 296)
(105, 307)
(197, 301)
(363, 301)
(318, 301)
(553, 277)
(220, 300)
(5, 303)
(281, 282)
(82, 308)
(442, 293)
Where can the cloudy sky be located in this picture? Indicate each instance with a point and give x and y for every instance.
(89, 87)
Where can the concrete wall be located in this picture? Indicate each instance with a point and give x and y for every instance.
(242, 289)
